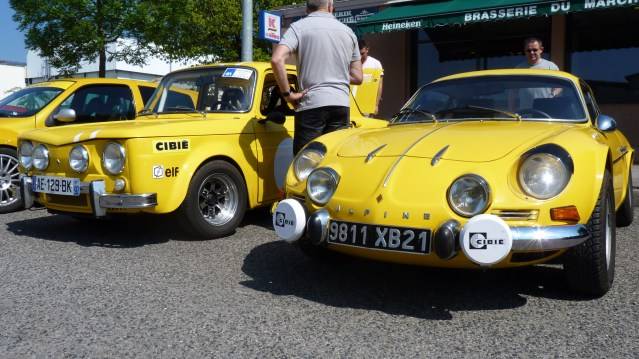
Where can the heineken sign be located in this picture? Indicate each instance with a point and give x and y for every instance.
(408, 18)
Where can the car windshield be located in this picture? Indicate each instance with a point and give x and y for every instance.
(496, 98)
(27, 102)
(219, 89)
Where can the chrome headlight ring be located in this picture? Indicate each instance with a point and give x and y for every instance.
(308, 159)
(469, 195)
(41, 157)
(79, 159)
(25, 154)
(113, 158)
(321, 185)
(544, 172)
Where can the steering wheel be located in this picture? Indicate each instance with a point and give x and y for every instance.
(533, 111)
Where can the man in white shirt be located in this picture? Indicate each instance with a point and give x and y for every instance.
(533, 48)
(369, 62)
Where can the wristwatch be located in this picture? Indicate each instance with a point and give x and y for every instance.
(286, 93)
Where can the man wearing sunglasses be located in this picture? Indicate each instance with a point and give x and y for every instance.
(533, 48)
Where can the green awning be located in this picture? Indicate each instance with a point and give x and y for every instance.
(462, 12)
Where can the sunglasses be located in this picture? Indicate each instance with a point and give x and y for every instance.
(532, 50)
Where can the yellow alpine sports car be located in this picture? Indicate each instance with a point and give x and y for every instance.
(498, 168)
(211, 142)
(60, 102)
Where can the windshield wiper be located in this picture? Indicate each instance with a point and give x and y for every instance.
(507, 113)
(409, 110)
(146, 111)
(515, 116)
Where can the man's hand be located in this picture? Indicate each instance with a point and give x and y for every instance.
(294, 98)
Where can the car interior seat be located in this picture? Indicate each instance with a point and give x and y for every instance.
(233, 100)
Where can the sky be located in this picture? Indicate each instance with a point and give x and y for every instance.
(12, 44)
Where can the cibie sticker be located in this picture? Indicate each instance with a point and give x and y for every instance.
(238, 73)
(289, 220)
(172, 145)
(486, 239)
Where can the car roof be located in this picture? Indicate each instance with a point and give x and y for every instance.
(260, 66)
(512, 72)
(67, 82)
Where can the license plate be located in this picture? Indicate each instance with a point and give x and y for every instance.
(400, 239)
(56, 185)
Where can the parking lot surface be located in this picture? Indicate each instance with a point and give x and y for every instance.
(139, 287)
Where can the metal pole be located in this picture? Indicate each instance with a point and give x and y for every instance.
(247, 30)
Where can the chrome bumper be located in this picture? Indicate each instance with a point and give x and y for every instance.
(525, 239)
(99, 199)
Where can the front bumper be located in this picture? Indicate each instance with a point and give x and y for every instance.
(99, 200)
(447, 237)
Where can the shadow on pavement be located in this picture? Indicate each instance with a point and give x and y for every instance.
(119, 232)
(428, 293)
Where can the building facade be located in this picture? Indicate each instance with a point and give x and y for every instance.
(419, 41)
(12, 77)
(39, 69)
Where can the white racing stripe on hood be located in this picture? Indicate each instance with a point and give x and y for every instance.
(94, 134)
(76, 138)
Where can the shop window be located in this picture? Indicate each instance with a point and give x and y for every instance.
(604, 53)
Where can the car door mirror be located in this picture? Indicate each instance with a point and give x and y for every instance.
(275, 117)
(65, 115)
(606, 123)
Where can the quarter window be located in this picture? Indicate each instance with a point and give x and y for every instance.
(98, 103)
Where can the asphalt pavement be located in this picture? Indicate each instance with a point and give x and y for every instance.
(138, 288)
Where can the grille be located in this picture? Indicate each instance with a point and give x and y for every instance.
(81, 201)
(517, 214)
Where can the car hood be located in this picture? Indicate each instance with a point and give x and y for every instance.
(469, 141)
(147, 126)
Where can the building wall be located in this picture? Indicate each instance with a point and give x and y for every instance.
(11, 78)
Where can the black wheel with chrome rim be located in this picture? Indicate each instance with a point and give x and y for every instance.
(10, 199)
(590, 266)
(215, 202)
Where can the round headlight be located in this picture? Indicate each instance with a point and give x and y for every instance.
(543, 175)
(321, 185)
(113, 158)
(25, 153)
(41, 157)
(79, 159)
(469, 195)
(308, 160)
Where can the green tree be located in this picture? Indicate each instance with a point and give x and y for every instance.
(70, 31)
(187, 29)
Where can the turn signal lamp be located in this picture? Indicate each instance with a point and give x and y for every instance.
(568, 213)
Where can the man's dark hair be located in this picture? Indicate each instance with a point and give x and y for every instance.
(314, 5)
(361, 43)
(533, 39)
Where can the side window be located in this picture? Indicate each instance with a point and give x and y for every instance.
(591, 104)
(271, 98)
(98, 103)
(146, 92)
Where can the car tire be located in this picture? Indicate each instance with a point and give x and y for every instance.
(626, 212)
(10, 199)
(590, 266)
(215, 202)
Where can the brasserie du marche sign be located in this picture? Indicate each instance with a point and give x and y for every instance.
(506, 13)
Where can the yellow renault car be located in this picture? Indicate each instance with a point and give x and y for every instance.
(212, 141)
(489, 169)
(58, 102)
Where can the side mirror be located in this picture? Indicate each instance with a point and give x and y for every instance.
(66, 115)
(275, 117)
(606, 123)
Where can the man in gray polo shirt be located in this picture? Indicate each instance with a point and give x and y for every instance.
(328, 60)
(533, 48)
